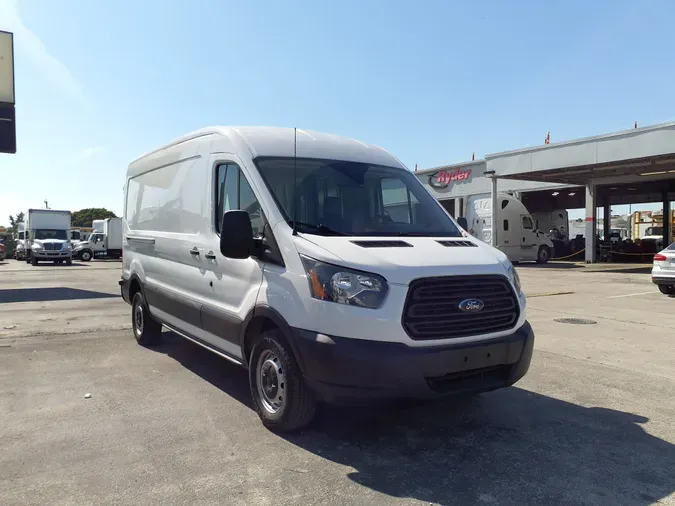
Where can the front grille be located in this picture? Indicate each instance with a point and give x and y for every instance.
(51, 246)
(432, 307)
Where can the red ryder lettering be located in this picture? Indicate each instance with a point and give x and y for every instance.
(443, 178)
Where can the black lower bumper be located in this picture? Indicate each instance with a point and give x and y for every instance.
(663, 280)
(344, 370)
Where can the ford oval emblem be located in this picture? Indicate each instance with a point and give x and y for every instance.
(471, 305)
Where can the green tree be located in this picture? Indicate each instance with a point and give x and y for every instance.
(14, 220)
(84, 217)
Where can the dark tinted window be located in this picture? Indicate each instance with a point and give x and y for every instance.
(506, 225)
(351, 198)
(504, 203)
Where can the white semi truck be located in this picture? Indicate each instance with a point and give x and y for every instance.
(47, 236)
(517, 235)
(104, 242)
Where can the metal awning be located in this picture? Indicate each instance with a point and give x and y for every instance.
(638, 152)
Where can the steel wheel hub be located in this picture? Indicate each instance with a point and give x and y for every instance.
(138, 319)
(271, 382)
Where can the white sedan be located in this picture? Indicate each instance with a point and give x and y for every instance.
(663, 271)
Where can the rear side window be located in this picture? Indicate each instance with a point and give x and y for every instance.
(171, 198)
(234, 192)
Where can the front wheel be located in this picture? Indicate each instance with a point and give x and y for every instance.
(86, 255)
(147, 330)
(69, 261)
(543, 255)
(34, 261)
(280, 397)
(667, 289)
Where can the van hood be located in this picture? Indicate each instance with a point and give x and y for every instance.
(402, 259)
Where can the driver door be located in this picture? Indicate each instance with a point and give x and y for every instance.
(229, 286)
(528, 238)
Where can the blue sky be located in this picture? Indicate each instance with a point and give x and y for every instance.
(98, 83)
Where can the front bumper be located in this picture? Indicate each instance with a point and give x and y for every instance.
(51, 255)
(343, 370)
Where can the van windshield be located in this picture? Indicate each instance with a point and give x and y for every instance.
(51, 234)
(335, 197)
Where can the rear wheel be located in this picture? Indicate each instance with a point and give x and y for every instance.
(280, 397)
(667, 289)
(147, 330)
(543, 255)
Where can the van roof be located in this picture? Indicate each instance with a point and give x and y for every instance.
(277, 141)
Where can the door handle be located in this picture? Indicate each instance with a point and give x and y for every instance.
(210, 255)
(194, 251)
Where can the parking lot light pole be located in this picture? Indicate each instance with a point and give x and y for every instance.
(591, 213)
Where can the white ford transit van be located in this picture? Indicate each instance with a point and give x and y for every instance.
(322, 265)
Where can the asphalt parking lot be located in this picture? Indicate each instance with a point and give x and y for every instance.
(592, 422)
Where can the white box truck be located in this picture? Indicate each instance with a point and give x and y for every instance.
(104, 242)
(47, 236)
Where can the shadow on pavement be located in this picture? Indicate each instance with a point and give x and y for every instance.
(224, 375)
(510, 446)
(50, 294)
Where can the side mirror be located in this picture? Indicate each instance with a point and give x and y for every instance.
(236, 234)
(461, 221)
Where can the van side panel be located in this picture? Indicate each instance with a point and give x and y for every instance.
(166, 211)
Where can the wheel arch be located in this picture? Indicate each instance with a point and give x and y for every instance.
(261, 318)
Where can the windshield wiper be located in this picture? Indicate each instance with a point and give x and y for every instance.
(321, 228)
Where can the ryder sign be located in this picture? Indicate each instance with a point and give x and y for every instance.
(443, 178)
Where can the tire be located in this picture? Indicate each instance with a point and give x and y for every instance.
(147, 330)
(34, 261)
(284, 403)
(667, 289)
(69, 261)
(86, 255)
(543, 254)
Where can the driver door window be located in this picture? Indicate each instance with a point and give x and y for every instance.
(234, 192)
(527, 223)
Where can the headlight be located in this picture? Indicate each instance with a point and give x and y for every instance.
(66, 246)
(344, 286)
(37, 247)
(514, 277)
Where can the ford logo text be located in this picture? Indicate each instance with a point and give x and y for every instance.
(471, 305)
